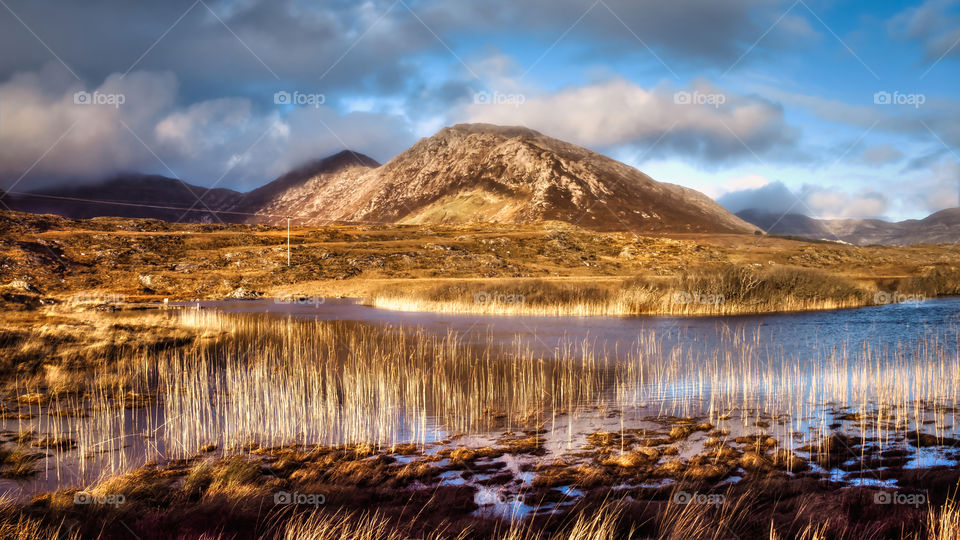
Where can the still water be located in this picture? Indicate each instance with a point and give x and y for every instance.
(797, 372)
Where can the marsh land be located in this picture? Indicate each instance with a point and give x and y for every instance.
(538, 381)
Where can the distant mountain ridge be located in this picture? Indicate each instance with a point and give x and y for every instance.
(464, 173)
(131, 196)
(942, 227)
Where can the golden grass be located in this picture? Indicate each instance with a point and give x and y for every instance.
(347, 526)
(727, 290)
(142, 260)
(944, 523)
(602, 524)
(677, 522)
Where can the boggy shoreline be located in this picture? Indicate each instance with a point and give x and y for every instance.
(634, 483)
(742, 488)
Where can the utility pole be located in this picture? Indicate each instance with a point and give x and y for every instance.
(288, 241)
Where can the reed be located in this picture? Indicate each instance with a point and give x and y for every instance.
(729, 290)
(260, 381)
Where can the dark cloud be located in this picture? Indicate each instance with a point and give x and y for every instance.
(813, 201)
(227, 140)
(774, 198)
(242, 48)
(257, 47)
(935, 24)
(881, 155)
(925, 161)
(698, 31)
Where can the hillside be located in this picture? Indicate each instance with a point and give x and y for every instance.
(131, 196)
(486, 173)
(292, 193)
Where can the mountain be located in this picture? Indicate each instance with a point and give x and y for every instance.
(465, 173)
(130, 195)
(939, 228)
(169, 199)
(294, 193)
(787, 224)
(487, 173)
(294, 186)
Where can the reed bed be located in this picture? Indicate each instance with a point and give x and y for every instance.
(282, 381)
(264, 381)
(721, 291)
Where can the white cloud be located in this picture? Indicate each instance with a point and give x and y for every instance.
(750, 181)
(832, 203)
(935, 189)
(703, 121)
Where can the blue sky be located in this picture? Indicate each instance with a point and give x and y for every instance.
(758, 103)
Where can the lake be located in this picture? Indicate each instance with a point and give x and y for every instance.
(333, 371)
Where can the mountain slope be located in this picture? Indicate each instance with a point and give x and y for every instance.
(481, 172)
(295, 193)
(942, 227)
(132, 195)
(788, 224)
(291, 190)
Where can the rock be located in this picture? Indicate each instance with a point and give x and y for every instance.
(22, 286)
(146, 280)
(628, 252)
(242, 294)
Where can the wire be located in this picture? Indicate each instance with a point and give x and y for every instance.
(178, 208)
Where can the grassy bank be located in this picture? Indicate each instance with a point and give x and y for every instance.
(45, 259)
(728, 290)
